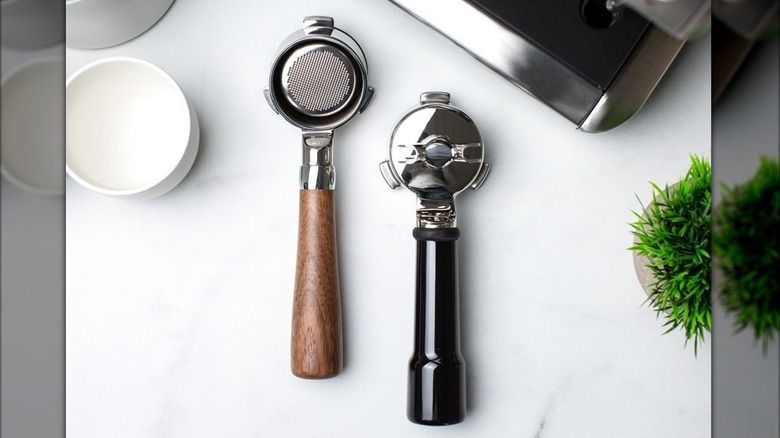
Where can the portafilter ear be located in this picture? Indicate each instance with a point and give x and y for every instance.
(317, 83)
(318, 79)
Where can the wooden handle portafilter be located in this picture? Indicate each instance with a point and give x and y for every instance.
(316, 350)
(318, 82)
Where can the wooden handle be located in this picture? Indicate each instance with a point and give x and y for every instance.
(316, 322)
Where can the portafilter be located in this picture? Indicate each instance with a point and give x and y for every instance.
(436, 151)
(318, 82)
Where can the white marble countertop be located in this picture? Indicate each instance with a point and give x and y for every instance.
(178, 309)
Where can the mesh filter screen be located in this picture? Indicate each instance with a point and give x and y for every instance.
(319, 81)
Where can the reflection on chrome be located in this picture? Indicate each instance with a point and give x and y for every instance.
(436, 151)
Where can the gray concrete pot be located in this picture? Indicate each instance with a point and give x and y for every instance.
(643, 273)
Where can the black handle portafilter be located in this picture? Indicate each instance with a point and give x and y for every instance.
(437, 372)
(437, 152)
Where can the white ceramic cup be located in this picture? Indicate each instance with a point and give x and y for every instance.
(130, 131)
(32, 126)
(94, 24)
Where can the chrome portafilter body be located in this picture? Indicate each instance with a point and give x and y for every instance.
(318, 81)
(436, 151)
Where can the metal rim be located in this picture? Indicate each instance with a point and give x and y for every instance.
(328, 121)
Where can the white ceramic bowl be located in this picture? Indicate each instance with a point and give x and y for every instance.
(94, 24)
(130, 131)
(32, 125)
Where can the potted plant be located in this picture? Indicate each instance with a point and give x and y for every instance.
(671, 248)
(746, 244)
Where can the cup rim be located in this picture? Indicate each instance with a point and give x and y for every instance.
(119, 27)
(182, 149)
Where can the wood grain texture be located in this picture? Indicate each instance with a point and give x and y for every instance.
(316, 324)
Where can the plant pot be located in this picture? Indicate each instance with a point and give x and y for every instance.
(643, 273)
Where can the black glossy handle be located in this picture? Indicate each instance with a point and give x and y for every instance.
(437, 372)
